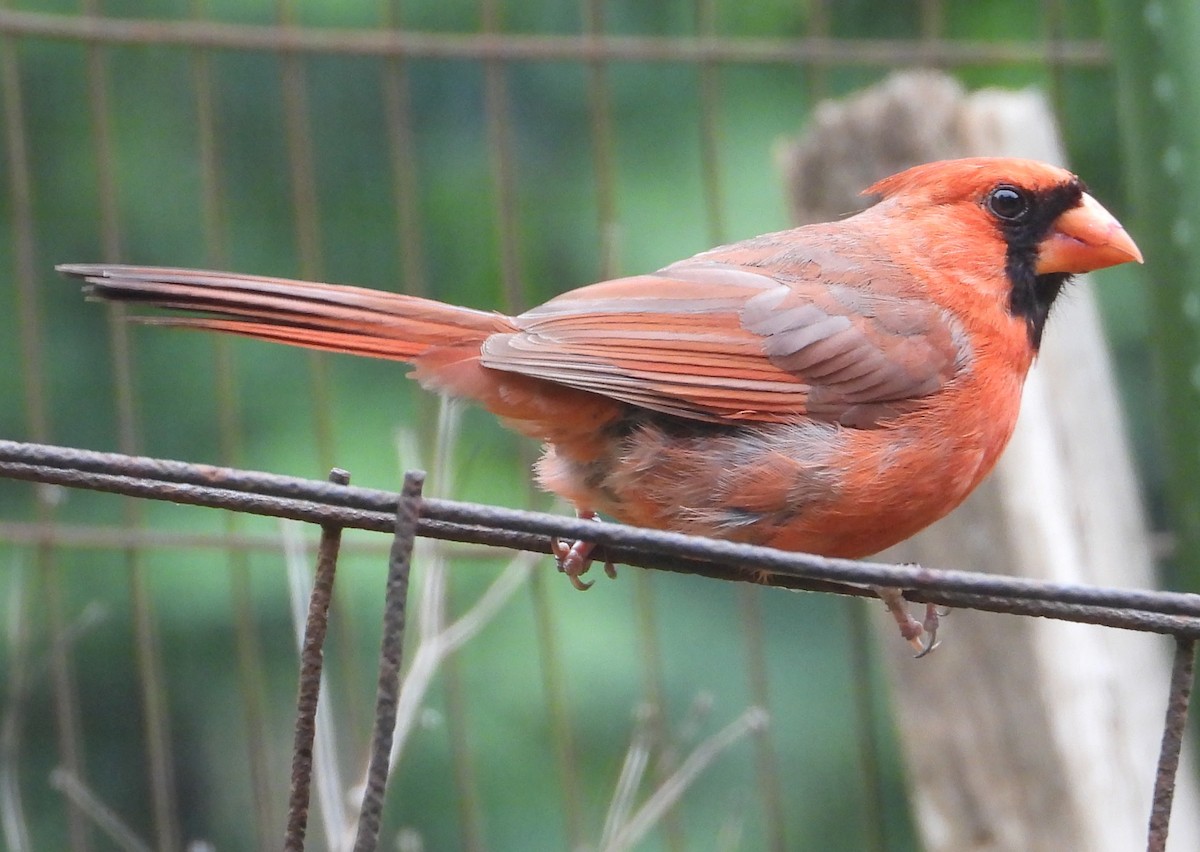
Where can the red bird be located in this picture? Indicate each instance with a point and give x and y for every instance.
(832, 388)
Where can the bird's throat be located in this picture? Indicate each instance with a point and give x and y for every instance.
(1032, 297)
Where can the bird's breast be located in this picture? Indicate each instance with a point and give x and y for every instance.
(805, 485)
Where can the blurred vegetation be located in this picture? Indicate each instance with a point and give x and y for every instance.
(1158, 70)
(661, 216)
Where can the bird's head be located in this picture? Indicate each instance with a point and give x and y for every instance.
(1048, 224)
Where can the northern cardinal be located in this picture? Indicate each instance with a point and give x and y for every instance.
(832, 388)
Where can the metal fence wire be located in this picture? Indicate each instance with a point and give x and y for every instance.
(152, 651)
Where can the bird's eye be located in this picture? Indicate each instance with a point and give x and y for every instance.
(1008, 203)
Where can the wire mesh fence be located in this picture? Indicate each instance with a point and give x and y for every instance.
(335, 506)
(492, 155)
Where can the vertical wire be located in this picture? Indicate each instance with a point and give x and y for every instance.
(1055, 22)
(471, 816)
(14, 822)
(864, 695)
(604, 158)
(863, 684)
(658, 721)
(68, 729)
(464, 769)
(932, 14)
(750, 609)
(250, 668)
(706, 21)
(391, 660)
(819, 27)
(305, 206)
(1179, 699)
(470, 803)
(398, 117)
(148, 648)
(406, 194)
(554, 688)
(500, 149)
(312, 656)
(649, 647)
(406, 197)
(303, 179)
(749, 597)
(499, 140)
(29, 321)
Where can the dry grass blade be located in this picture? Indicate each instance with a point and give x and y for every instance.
(671, 790)
(437, 639)
(101, 815)
(632, 771)
(12, 811)
(434, 650)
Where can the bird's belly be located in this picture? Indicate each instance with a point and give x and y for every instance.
(805, 486)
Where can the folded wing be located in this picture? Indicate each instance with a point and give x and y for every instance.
(715, 341)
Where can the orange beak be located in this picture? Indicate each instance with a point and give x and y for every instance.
(1084, 238)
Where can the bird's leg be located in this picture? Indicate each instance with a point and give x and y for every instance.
(575, 559)
(922, 635)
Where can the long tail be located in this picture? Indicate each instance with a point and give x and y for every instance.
(335, 318)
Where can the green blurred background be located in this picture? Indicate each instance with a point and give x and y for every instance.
(483, 762)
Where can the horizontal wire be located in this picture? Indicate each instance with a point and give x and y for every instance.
(320, 502)
(103, 537)
(85, 536)
(809, 50)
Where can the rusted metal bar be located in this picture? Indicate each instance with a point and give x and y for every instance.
(312, 656)
(33, 368)
(391, 655)
(323, 503)
(1179, 698)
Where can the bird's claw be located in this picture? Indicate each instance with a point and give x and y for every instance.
(921, 635)
(575, 559)
(930, 628)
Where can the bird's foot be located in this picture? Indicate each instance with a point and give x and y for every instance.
(575, 559)
(922, 635)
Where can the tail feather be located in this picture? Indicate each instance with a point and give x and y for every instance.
(332, 317)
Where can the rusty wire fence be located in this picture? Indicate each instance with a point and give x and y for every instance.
(152, 650)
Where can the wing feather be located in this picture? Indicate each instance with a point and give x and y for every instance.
(715, 341)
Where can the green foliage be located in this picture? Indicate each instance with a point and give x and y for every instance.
(1158, 72)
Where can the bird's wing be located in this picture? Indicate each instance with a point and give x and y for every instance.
(717, 341)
